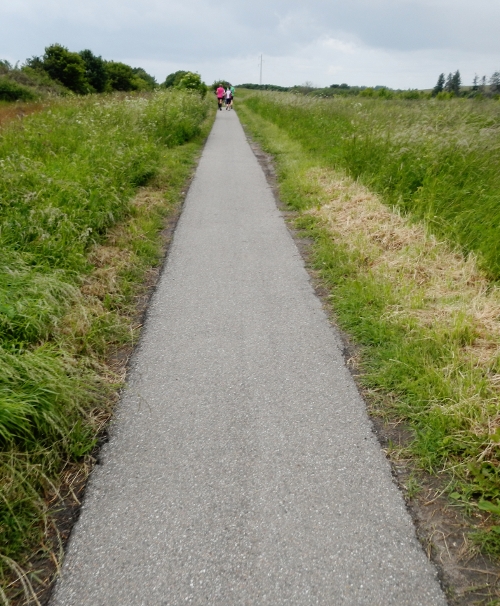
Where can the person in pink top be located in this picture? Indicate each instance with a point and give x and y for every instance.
(220, 96)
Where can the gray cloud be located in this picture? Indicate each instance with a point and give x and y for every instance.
(204, 32)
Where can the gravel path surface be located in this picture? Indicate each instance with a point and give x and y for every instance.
(242, 468)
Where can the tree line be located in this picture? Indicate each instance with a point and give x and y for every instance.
(60, 70)
(451, 85)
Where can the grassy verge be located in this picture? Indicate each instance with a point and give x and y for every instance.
(425, 319)
(85, 190)
(437, 160)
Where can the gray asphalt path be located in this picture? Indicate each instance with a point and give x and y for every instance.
(242, 468)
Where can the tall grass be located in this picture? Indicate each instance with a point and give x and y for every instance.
(437, 160)
(68, 177)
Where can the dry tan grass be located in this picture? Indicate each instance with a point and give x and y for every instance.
(17, 111)
(109, 259)
(435, 285)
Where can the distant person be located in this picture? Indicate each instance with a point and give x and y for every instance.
(220, 96)
(232, 96)
(229, 98)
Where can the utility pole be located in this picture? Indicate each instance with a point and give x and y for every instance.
(260, 81)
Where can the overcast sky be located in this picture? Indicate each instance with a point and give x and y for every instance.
(397, 43)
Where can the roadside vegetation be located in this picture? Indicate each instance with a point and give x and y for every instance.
(61, 72)
(85, 189)
(447, 87)
(402, 202)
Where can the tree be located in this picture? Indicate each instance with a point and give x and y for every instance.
(439, 85)
(475, 83)
(456, 82)
(448, 84)
(495, 83)
(95, 70)
(34, 63)
(121, 76)
(223, 83)
(174, 79)
(66, 67)
(144, 80)
(191, 81)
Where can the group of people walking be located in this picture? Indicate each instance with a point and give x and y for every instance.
(225, 96)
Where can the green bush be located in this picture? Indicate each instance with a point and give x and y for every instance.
(11, 91)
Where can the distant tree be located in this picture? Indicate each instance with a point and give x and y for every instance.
(191, 81)
(173, 79)
(225, 84)
(448, 85)
(5, 66)
(121, 76)
(475, 83)
(34, 63)
(144, 80)
(495, 83)
(251, 86)
(482, 87)
(95, 70)
(439, 85)
(456, 83)
(66, 67)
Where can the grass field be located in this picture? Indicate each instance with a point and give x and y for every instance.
(402, 202)
(438, 161)
(85, 189)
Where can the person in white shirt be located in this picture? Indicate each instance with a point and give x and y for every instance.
(229, 97)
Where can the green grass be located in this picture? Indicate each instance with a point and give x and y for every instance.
(425, 373)
(437, 160)
(76, 245)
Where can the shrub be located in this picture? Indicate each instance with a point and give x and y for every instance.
(11, 91)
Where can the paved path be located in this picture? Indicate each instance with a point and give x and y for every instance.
(242, 468)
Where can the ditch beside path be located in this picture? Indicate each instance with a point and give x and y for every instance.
(242, 467)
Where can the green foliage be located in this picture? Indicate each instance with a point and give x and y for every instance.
(60, 71)
(11, 91)
(67, 175)
(27, 83)
(253, 86)
(66, 67)
(441, 163)
(173, 79)
(223, 83)
(121, 76)
(439, 85)
(95, 71)
(144, 80)
(192, 82)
